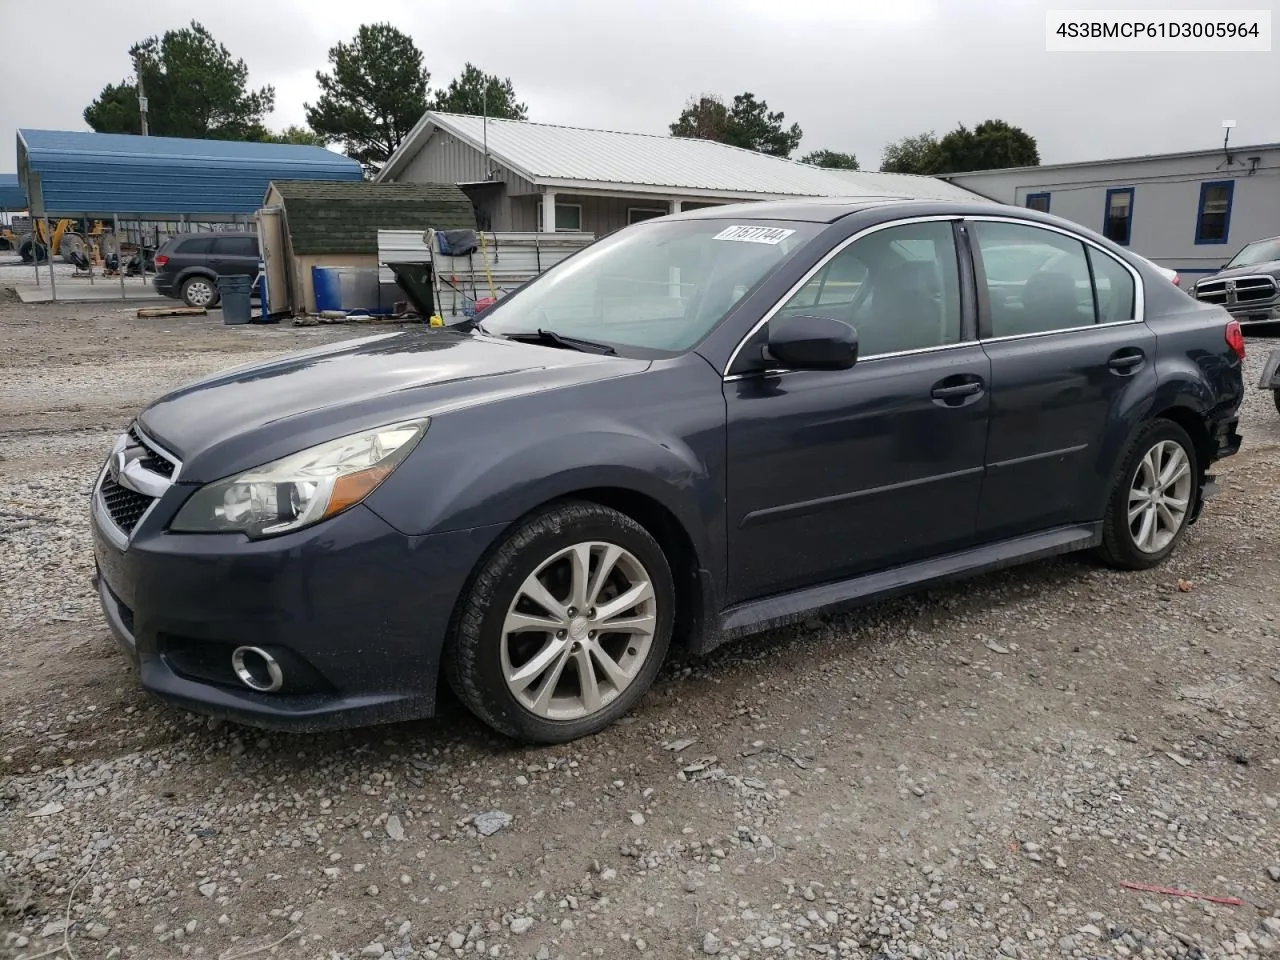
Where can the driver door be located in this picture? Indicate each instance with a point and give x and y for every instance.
(836, 473)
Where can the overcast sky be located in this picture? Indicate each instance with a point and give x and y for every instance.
(854, 74)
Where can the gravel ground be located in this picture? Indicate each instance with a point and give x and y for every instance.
(971, 772)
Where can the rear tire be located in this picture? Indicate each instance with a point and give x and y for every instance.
(1275, 395)
(531, 653)
(1152, 498)
(200, 292)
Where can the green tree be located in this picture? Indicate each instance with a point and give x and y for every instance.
(831, 160)
(298, 135)
(990, 145)
(748, 124)
(704, 117)
(476, 92)
(910, 154)
(374, 94)
(194, 88)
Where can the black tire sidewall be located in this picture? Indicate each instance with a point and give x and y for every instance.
(522, 553)
(1118, 537)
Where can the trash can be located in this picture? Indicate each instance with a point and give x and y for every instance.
(234, 292)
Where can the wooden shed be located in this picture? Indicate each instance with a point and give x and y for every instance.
(306, 224)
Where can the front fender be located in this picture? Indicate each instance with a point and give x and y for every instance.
(659, 434)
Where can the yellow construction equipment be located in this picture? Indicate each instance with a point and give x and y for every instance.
(63, 239)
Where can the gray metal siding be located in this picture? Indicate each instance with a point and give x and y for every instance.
(446, 159)
(1166, 198)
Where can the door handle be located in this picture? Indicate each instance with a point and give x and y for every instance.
(1128, 362)
(958, 391)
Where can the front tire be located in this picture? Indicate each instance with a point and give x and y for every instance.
(565, 627)
(199, 292)
(1152, 498)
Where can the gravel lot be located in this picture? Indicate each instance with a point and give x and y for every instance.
(971, 772)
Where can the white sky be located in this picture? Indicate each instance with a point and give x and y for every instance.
(854, 73)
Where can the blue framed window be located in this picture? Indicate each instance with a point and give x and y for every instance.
(1213, 215)
(1038, 201)
(1117, 222)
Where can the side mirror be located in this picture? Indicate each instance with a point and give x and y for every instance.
(812, 343)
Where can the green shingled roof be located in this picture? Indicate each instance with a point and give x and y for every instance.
(330, 216)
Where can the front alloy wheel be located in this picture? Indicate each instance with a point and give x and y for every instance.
(578, 631)
(565, 625)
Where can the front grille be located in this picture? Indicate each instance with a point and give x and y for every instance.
(153, 461)
(125, 506)
(1248, 290)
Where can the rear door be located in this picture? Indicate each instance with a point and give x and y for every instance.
(1072, 365)
(235, 256)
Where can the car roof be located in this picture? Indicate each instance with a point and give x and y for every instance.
(831, 209)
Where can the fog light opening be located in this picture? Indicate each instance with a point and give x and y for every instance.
(257, 669)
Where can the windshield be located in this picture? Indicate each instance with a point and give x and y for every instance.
(1261, 251)
(657, 286)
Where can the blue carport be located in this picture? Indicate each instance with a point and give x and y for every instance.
(163, 178)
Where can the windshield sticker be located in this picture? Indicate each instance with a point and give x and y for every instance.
(745, 234)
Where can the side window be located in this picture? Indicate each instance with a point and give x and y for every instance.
(1118, 221)
(1037, 280)
(1115, 287)
(236, 246)
(899, 288)
(196, 245)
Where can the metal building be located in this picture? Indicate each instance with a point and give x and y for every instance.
(1189, 211)
(163, 178)
(542, 177)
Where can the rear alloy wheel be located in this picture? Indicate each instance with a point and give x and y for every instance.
(566, 625)
(1150, 507)
(199, 292)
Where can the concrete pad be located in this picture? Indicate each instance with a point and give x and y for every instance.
(101, 292)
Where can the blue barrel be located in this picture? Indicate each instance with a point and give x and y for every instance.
(234, 292)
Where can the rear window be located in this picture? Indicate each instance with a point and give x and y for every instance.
(196, 245)
(236, 246)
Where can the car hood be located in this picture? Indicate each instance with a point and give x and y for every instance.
(249, 415)
(1271, 267)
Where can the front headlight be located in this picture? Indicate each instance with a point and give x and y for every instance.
(301, 489)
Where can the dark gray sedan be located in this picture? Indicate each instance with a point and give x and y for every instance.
(702, 426)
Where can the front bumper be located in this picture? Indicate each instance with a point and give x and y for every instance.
(354, 611)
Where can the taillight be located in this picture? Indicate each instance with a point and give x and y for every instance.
(1235, 338)
(161, 260)
(1177, 280)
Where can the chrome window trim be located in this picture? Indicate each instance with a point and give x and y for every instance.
(1139, 290)
(1139, 302)
(782, 371)
(809, 275)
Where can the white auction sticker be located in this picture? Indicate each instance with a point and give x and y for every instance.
(746, 234)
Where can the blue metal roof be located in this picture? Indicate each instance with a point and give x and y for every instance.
(100, 174)
(11, 195)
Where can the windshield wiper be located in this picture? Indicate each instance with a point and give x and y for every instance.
(553, 339)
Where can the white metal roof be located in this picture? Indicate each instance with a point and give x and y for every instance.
(568, 157)
(907, 184)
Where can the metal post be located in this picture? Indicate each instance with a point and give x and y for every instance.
(115, 221)
(48, 252)
(87, 247)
